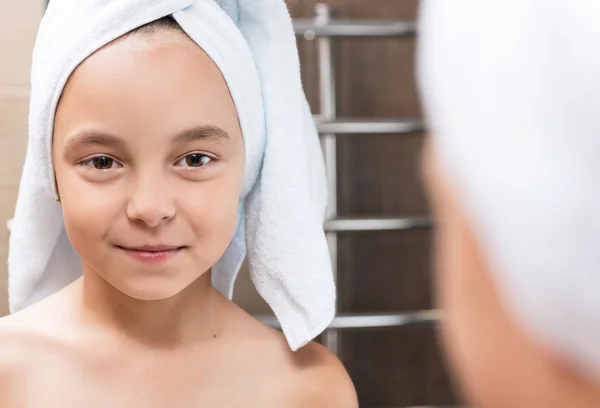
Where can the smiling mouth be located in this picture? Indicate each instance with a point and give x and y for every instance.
(151, 254)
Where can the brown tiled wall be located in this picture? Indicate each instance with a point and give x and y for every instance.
(19, 20)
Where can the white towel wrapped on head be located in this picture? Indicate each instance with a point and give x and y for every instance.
(283, 200)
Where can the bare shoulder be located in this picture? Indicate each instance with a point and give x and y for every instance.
(12, 340)
(18, 338)
(28, 344)
(14, 347)
(311, 377)
(26, 335)
(322, 380)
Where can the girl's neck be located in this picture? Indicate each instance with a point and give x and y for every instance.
(181, 320)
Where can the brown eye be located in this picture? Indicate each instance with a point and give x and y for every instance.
(196, 160)
(102, 163)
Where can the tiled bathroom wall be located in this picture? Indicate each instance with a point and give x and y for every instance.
(19, 20)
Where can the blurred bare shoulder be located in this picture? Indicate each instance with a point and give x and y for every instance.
(322, 379)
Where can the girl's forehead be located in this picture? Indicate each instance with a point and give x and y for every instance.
(137, 89)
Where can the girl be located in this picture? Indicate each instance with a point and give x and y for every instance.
(156, 172)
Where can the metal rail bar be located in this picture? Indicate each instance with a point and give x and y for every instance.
(371, 321)
(310, 29)
(377, 224)
(327, 99)
(369, 126)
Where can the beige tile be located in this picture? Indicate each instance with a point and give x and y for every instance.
(22, 12)
(3, 281)
(19, 20)
(15, 66)
(14, 91)
(8, 197)
(13, 139)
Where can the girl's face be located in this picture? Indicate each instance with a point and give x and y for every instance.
(149, 162)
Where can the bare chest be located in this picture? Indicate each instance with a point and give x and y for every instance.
(160, 382)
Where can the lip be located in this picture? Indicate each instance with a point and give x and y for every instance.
(151, 254)
(151, 248)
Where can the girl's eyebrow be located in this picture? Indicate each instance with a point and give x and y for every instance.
(92, 137)
(98, 138)
(205, 132)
